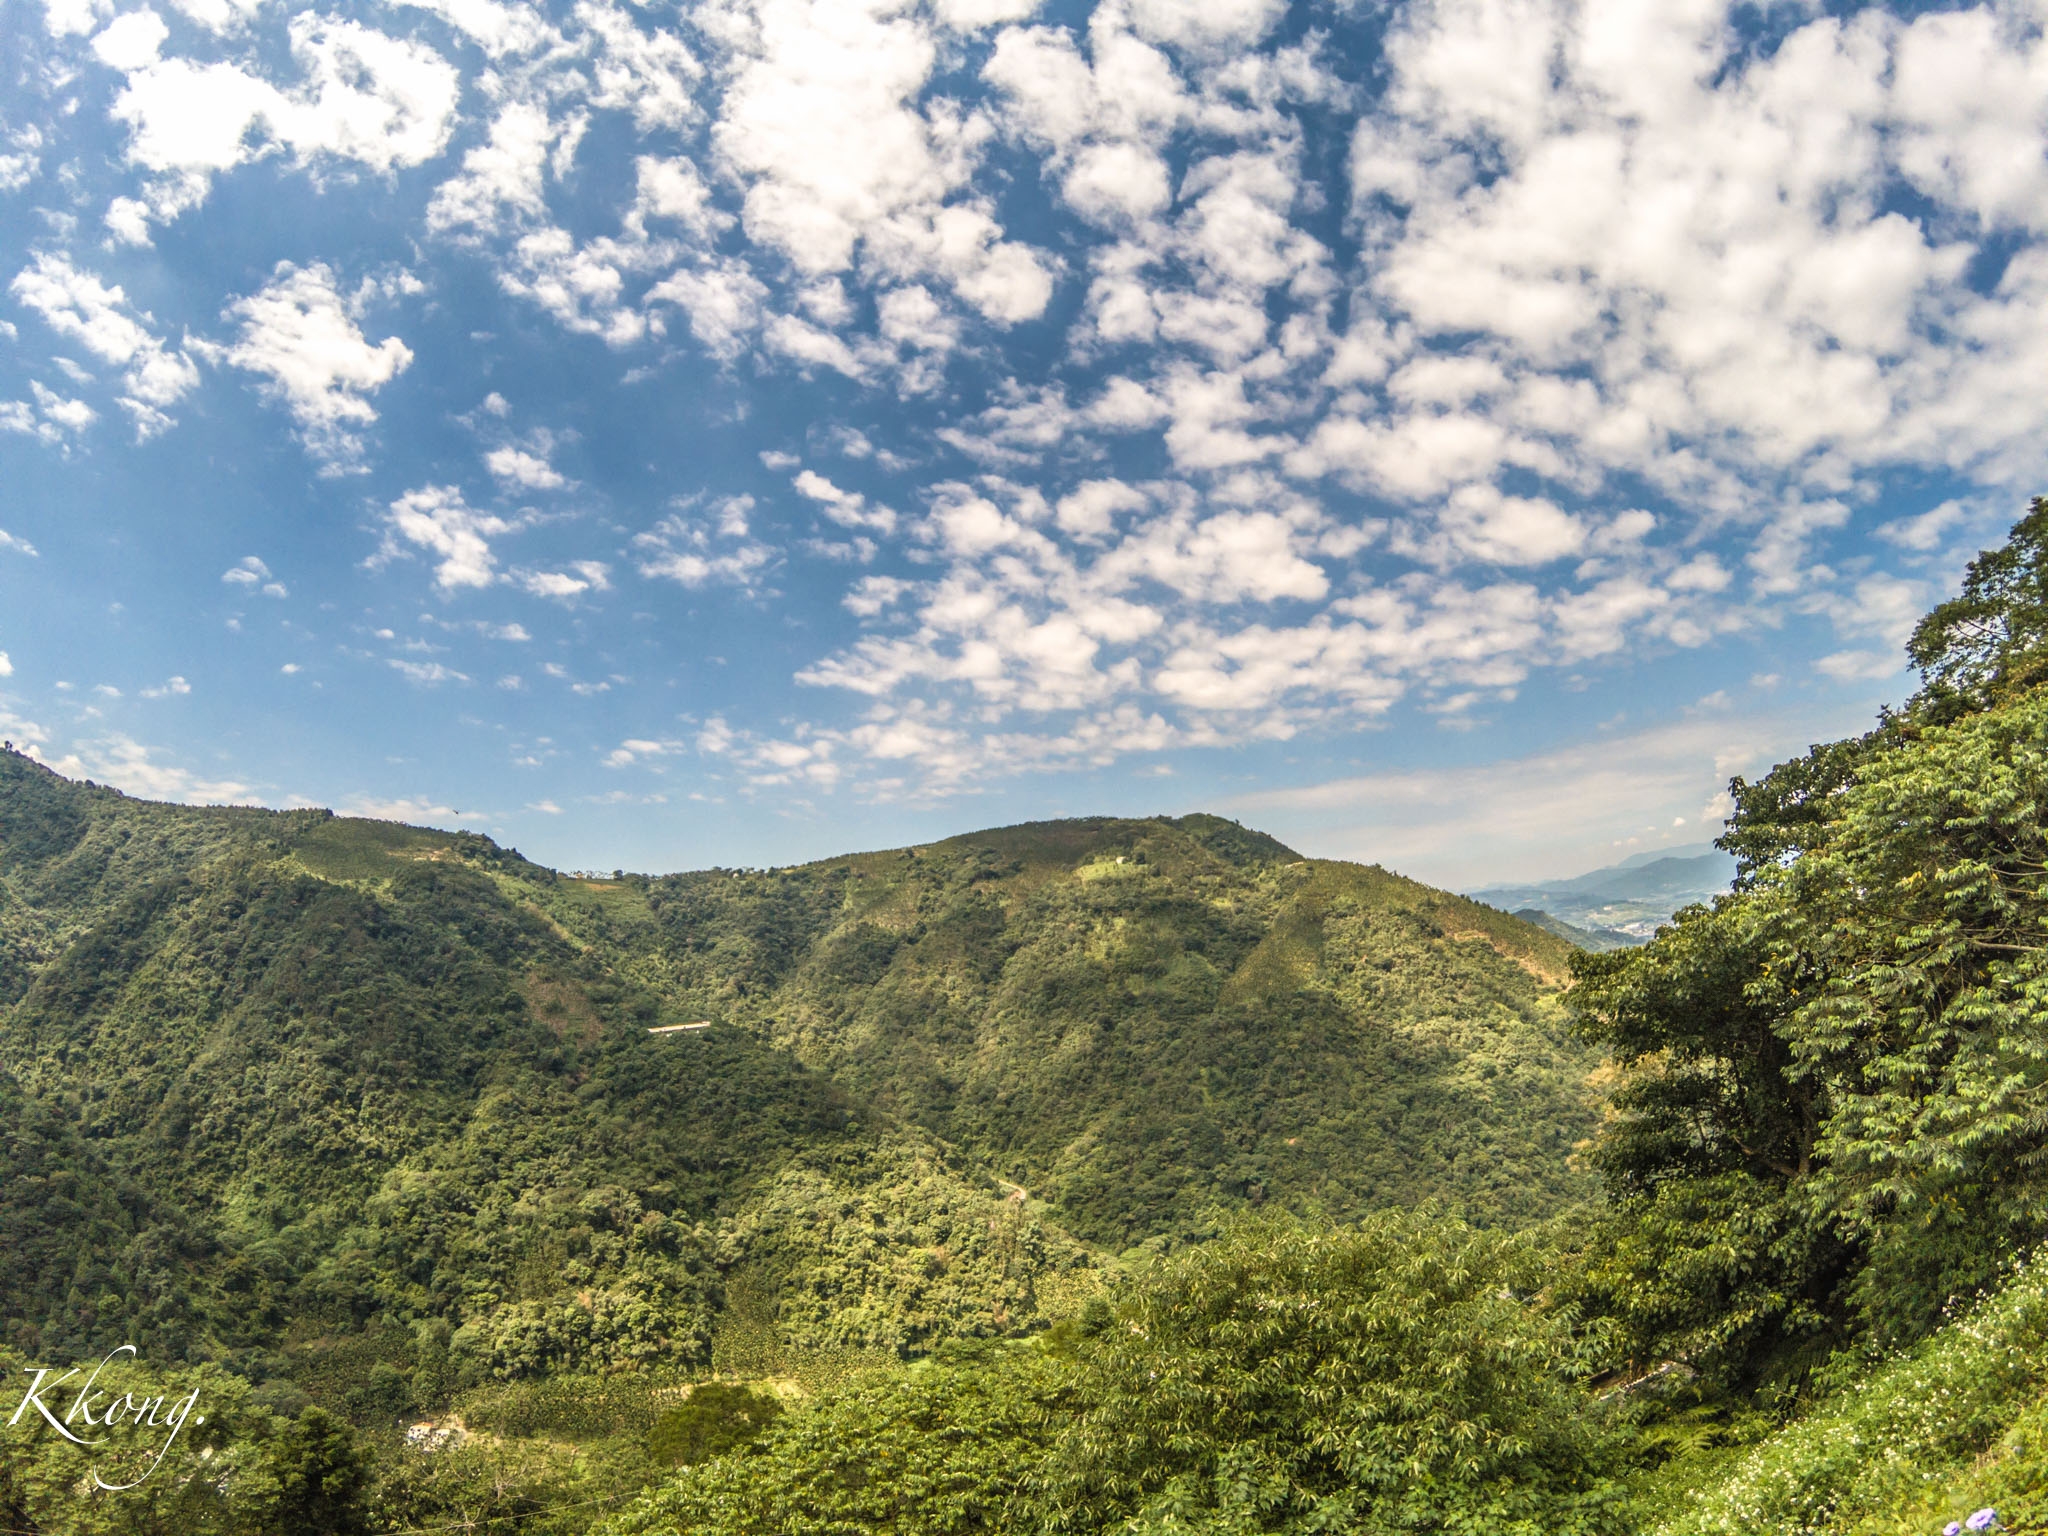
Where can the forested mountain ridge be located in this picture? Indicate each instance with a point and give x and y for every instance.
(347, 1106)
(345, 1100)
(1138, 1018)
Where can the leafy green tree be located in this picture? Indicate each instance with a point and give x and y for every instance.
(1926, 914)
(1830, 1117)
(714, 1418)
(1990, 642)
(1711, 1253)
(1390, 1377)
(313, 1480)
(940, 1449)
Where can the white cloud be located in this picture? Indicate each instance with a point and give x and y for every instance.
(436, 519)
(100, 318)
(426, 674)
(131, 41)
(1536, 816)
(300, 333)
(650, 74)
(6, 665)
(973, 15)
(253, 573)
(1879, 606)
(640, 749)
(65, 18)
(579, 577)
(19, 168)
(498, 29)
(712, 545)
(521, 470)
(672, 189)
(141, 770)
(1861, 666)
(414, 810)
(127, 220)
(504, 175)
(723, 300)
(1925, 532)
(220, 16)
(819, 123)
(53, 418)
(1509, 530)
(379, 101)
(16, 543)
(1213, 24)
(1686, 246)
(584, 286)
(849, 509)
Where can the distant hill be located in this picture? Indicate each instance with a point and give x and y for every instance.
(1630, 898)
(1598, 940)
(376, 1110)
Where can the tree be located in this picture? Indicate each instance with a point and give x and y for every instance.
(1712, 1255)
(1991, 641)
(1389, 1377)
(1833, 1113)
(713, 1419)
(1926, 917)
(313, 1480)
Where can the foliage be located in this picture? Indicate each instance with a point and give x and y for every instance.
(373, 1109)
(1712, 1252)
(1830, 1120)
(1137, 1020)
(1389, 1377)
(713, 1419)
(937, 1450)
(1381, 1378)
(1828, 1124)
(343, 1103)
(371, 1114)
(572, 1406)
(313, 1480)
(1990, 642)
(1925, 915)
(1951, 1425)
(534, 1487)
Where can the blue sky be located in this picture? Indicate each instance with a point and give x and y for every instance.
(1459, 434)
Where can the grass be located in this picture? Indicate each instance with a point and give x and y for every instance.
(1958, 1423)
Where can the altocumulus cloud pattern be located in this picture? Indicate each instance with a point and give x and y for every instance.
(1039, 386)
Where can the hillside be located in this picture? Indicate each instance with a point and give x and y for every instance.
(1597, 940)
(345, 1104)
(1136, 1019)
(1811, 1302)
(340, 1093)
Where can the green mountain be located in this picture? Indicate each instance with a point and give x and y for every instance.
(341, 1099)
(385, 1119)
(1136, 1019)
(378, 1111)
(1812, 1300)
